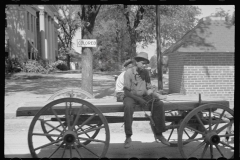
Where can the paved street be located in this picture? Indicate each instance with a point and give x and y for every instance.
(143, 145)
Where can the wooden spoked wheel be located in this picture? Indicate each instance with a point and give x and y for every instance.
(47, 129)
(69, 132)
(71, 92)
(172, 134)
(210, 121)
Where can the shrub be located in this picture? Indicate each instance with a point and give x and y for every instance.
(12, 65)
(61, 65)
(34, 66)
(42, 66)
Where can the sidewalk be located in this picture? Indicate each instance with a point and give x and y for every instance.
(22, 88)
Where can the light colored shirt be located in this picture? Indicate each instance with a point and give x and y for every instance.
(136, 84)
(120, 82)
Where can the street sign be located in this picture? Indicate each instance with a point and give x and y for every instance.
(86, 43)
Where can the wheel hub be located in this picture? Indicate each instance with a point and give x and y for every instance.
(69, 137)
(212, 138)
(215, 139)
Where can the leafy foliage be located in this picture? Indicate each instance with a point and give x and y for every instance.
(69, 22)
(61, 65)
(116, 23)
(12, 65)
(33, 66)
(222, 13)
(42, 66)
(113, 39)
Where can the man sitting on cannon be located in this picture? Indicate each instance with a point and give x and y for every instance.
(137, 90)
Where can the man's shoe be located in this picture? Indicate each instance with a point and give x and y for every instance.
(163, 140)
(127, 142)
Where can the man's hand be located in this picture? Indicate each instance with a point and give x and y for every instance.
(159, 96)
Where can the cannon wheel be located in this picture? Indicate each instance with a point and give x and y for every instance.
(172, 136)
(70, 92)
(211, 130)
(69, 136)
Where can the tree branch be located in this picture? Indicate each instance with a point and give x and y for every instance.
(62, 24)
(61, 41)
(98, 9)
(139, 16)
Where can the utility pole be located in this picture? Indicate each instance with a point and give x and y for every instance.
(159, 53)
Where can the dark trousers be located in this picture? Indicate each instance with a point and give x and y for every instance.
(158, 115)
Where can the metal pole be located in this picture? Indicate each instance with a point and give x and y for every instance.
(159, 53)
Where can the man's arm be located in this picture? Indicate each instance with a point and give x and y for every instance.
(127, 88)
(152, 89)
(127, 93)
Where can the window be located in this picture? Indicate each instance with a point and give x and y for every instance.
(28, 21)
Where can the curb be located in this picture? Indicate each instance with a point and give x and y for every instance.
(13, 116)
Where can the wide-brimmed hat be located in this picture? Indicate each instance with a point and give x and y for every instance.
(143, 55)
(127, 62)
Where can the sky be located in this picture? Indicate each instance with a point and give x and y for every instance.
(206, 10)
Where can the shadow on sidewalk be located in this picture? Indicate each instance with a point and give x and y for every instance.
(42, 84)
(17, 156)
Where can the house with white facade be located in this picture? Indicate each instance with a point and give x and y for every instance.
(31, 27)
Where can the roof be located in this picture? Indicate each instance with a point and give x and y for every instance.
(211, 34)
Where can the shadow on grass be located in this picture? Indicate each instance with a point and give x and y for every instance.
(50, 84)
(103, 84)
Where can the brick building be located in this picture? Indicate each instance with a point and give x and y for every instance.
(202, 61)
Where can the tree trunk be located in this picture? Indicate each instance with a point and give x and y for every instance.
(87, 64)
(68, 61)
(159, 53)
(88, 15)
(119, 58)
(133, 50)
(133, 45)
(87, 73)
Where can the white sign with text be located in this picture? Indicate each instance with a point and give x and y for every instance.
(86, 43)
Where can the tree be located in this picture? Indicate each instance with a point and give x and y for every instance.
(222, 13)
(134, 15)
(69, 23)
(118, 29)
(112, 37)
(176, 20)
(88, 14)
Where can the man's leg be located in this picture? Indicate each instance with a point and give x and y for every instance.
(158, 116)
(120, 96)
(129, 105)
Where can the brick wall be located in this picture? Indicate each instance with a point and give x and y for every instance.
(211, 74)
(175, 64)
